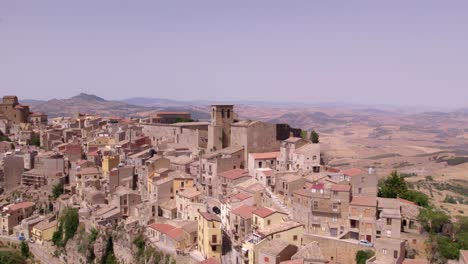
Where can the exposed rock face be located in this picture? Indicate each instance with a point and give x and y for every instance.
(100, 248)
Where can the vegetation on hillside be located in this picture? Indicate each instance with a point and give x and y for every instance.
(11, 257)
(396, 186)
(68, 225)
(57, 190)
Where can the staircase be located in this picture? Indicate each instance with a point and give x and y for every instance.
(278, 203)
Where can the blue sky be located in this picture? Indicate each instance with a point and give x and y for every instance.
(380, 52)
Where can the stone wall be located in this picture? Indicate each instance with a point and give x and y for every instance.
(340, 251)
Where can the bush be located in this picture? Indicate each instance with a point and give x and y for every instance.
(429, 178)
(363, 255)
(314, 137)
(419, 198)
(68, 225)
(11, 257)
(57, 190)
(393, 186)
(24, 249)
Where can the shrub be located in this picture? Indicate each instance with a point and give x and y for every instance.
(363, 255)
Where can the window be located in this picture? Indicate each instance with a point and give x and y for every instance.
(277, 236)
(362, 179)
(256, 220)
(260, 164)
(214, 239)
(411, 224)
(334, 219)
(228, 113)
(335, 193)
(395, 253)
(222, 113)
(268, 222)
(295, 238)
(314, 157)
(213, 248)
(389, 221)
(182, 184)
(384, 251)
(316, 205)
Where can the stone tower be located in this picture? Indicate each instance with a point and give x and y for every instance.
(219, 131)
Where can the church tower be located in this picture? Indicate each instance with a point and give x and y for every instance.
(219, 131)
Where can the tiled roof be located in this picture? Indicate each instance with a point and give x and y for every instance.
(406, 202)
(352, 172)
(266, 155)
(318, 186)
(210, 217)
(163, 228)
(234, 174)
(311, 252)
(239, 197)
(22, 205)
(190, 193)
(45, 225)
(176, 234)
(244, 211)
(263, 212)
(364, 201)
(341, 188)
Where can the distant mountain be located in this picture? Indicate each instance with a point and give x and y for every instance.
(161, 102)
(86, 103)
(31, 102)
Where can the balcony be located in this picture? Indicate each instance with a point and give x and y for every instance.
(215, 242)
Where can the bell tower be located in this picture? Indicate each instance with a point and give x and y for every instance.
(219, 131)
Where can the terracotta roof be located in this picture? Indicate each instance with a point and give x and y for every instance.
(189, 193)
(22, 205)
(265, 155)
(244, 211)
(318, 186)
(234, 174)
(210, 217)
(176, 234)
(239, 197)
(163, 228)
(263, 212)
(333, 170)
(364, 201)
(341, 188)
(268, 173)
(352, 172)
(210, 261)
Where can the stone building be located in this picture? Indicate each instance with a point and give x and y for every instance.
(12, 215)
(12, 110)
(219, 131)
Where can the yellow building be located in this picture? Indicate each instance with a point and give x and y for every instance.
(209, 235)
(108, 163)
(270, 224)
(44, 231)
(181, 184)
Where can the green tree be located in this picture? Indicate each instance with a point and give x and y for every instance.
(24, 247)
(304, 134)
(419, 198)
(433, 220)
(314, 137)
(393, 186)
(447, 248)
(4, 138)
(57, 236)
(109, 257)
(70, 222)
(57, 190)
(36, 142)
(363, 255)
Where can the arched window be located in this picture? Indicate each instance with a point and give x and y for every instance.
(228, 113)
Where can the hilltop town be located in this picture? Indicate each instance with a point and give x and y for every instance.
(167, 187)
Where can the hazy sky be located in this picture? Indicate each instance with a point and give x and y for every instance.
(396, 52)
